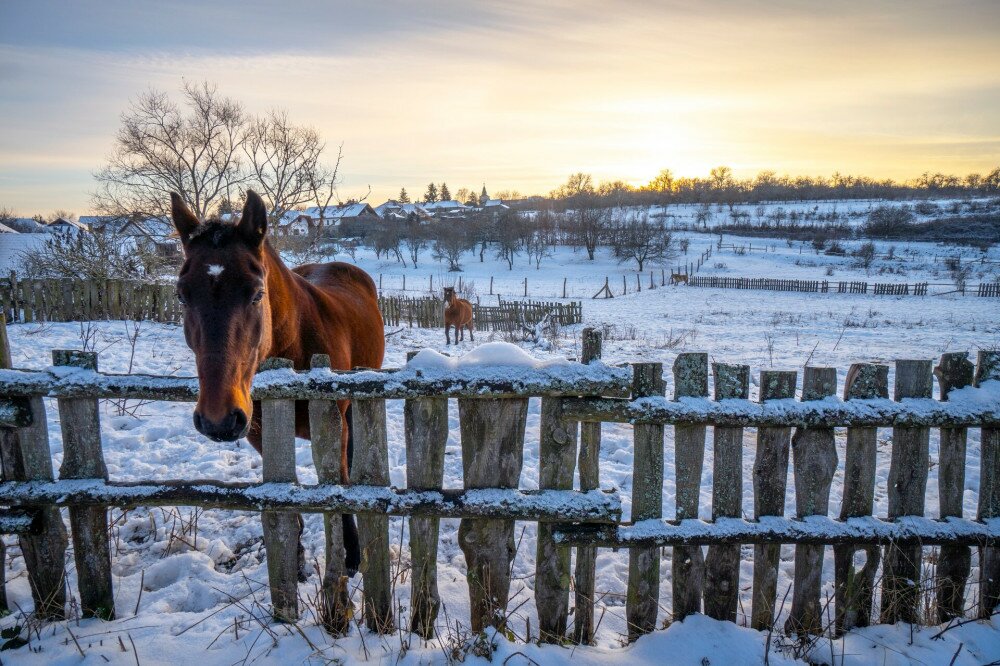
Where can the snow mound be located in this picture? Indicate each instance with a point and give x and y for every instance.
(486, 355)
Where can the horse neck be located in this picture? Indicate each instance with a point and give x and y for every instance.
(284, 298)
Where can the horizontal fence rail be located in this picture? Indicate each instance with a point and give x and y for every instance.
(795, 425)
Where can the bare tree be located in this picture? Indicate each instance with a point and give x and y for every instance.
(588, 223)
(92, 256)
(450, 243)
(415, 241)
(323, 183)
(510, 232)
(537, 247)
(641, 241)
(387, 239)
(283, 159)
(194, 150)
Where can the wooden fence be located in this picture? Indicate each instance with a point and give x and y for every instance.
(493, 406)
(506, 316)
(93, 300)
(840, 287)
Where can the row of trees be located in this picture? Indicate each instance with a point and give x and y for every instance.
(510, 234)
(723, 187)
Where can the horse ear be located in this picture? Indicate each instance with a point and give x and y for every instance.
(183, 218)
(253, 220)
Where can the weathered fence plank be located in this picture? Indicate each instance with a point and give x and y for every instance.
(326, 431)
(722, 562)
(371, 468)
(688, 562)
(987, 368)
(26, 457)
(814, 453)
(954, 371)
(642, 598)
(281, 529)
(83, 458)
(770, 479)
(590, 454)
(425, 422)
(557, 462)
(492, 433)
(907, 487)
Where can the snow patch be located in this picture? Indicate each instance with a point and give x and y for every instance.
(215, 270)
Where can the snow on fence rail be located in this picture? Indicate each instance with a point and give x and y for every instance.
(985, 289)
(576, 398)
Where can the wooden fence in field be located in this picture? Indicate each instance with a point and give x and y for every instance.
(575, 400)
(25, 300)
(838, 287)
(506, 316)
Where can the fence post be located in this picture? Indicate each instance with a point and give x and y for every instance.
(26, 457)
(281, 529)
(954, 371)
(907, 486)
(326, 427)
(988, 367)
(814, 452)
(722, 562)
(590, 454)
(426, 427)
(643, 594)
(770, 478)
(492, 445)
(688, 562)
(371, 468)
(557, 462)
(854, 589)
(83, 458)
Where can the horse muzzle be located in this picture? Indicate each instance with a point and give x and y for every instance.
(233, 427)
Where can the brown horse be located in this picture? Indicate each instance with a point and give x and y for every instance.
(243, 305)
(457, 313)
(677, 278)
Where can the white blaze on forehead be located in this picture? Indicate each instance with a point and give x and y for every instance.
(215, 270)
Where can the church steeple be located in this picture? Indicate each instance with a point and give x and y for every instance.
(484, 197)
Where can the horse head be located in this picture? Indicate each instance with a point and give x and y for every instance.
(227, 315)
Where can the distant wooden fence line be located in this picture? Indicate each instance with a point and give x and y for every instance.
(493, 407)
(506, 316)
(24, 300)
(839, 287)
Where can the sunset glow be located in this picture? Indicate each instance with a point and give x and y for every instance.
(515, 95)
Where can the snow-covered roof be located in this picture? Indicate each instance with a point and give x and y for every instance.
(339, 212)
(495, 203)
(393, 207)
(62, 222)
(13, 245)
(24, 225)
(449, 205)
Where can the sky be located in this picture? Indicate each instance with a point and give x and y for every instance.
(516, 95)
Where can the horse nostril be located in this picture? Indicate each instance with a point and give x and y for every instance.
(199, 424)
(239, 420)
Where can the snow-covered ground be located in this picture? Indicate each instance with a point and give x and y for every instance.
(198, 580)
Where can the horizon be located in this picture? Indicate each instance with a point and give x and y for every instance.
(515, 96)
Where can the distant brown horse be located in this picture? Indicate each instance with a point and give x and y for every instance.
(457, 313)
(243, 305)
(677, 278)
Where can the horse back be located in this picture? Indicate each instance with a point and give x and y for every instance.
(347, 321)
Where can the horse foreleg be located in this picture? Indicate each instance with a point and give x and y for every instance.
(471, 336)
(447, 335)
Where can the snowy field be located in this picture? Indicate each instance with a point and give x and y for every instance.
(205, 587)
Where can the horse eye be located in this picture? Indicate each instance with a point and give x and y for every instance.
(180, 298)
(258, 297)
